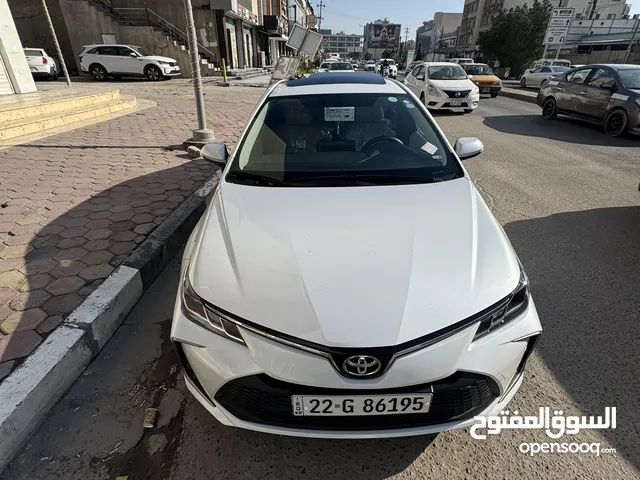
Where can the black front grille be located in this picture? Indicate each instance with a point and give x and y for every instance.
(459, 93)
(264, 400)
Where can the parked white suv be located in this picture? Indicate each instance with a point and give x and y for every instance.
(102, 61)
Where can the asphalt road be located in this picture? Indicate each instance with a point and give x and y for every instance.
(568, 198)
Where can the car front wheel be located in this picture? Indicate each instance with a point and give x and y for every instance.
(154, 73)
(616, 123)
(549, 109)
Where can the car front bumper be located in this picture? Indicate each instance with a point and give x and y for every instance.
(171, 71)
(470, 102)
(489, 88)
(251, 386)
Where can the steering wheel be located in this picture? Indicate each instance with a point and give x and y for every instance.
(380, 139)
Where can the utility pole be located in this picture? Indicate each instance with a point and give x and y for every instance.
(203, 134)
(320, 18)
(55, 42)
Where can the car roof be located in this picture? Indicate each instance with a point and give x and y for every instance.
(110, 45)
(439, 64)
(321, 83)
(476, 65)
(615, 66)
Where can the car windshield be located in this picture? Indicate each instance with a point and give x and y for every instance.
(447, 72)
(340, 66)
(559, 69)
(143, 51)
(630, 78)
(33, 53)
(478, 70)
(342, 140)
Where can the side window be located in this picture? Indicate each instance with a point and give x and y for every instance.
(124, 51)
(108, 51)
(579, 76)
(93, 51)
(419, 71)
(545, 70)
(602, 79)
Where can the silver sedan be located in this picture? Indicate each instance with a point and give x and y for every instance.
(536, 77)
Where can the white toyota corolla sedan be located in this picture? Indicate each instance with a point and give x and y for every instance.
(347, 280)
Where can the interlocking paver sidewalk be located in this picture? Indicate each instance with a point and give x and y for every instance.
(73, 206)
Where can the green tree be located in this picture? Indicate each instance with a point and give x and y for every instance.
(515, 37)
(367, 56)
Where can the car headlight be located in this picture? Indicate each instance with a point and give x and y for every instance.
(195, 310)
(477, 83)
(434, 92)
(499, 83)
(163, 62)
(511, 308)
(475, 90)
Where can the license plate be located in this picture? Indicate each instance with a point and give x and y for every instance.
(485, 90)
(455, 102)
(335, 406)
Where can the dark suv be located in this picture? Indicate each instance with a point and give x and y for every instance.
(608, 95)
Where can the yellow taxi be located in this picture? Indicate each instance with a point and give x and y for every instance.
(482, 75)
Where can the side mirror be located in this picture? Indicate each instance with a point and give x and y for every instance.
(468, 147)
(132, 54)
(420, 77)
(215, 152)
(470, 77)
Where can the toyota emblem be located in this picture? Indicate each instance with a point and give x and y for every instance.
(362, 365)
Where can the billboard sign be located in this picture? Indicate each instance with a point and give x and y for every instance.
(558, 27)
(384, 35)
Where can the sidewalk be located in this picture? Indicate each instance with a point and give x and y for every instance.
(74, 206)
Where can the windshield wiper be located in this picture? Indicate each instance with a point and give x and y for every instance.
(254, 179)
(371, 178)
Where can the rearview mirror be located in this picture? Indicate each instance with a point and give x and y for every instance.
(215, 152)
(468, 147)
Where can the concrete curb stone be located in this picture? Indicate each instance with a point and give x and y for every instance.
(28, 393)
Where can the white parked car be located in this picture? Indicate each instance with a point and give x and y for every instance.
(41, 64)
(443, 86)
(535, 78)
(370, 66)
(347, 280)
(461, 60)
(117, 61)
(340, 67)
(393, 68)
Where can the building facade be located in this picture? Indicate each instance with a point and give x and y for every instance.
(431, 33)
(347, 45)
(477, 15)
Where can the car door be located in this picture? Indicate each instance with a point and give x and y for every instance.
(410, 79)
(572, 90)
(127, 63)
(108, 57)
(420, 76)
(540, 75)
(600, 86)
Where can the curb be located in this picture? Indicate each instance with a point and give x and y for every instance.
(27, 395)
(518, 96)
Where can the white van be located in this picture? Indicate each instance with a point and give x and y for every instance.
(550, 62)
(461, 60)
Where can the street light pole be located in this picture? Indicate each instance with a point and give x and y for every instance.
(203, 134)
(55, 43)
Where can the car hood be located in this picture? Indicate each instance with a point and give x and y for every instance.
(353, 266)
(160, 59)
(453, 84)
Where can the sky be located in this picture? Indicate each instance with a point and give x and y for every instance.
(351, 15)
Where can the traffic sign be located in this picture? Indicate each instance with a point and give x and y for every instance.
(312, 20)
(558, 26)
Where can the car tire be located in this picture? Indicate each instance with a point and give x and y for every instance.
(549, 109)
(98, 72)
(523, 82)
(494, 95)
(153, 73)
(616, 123)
